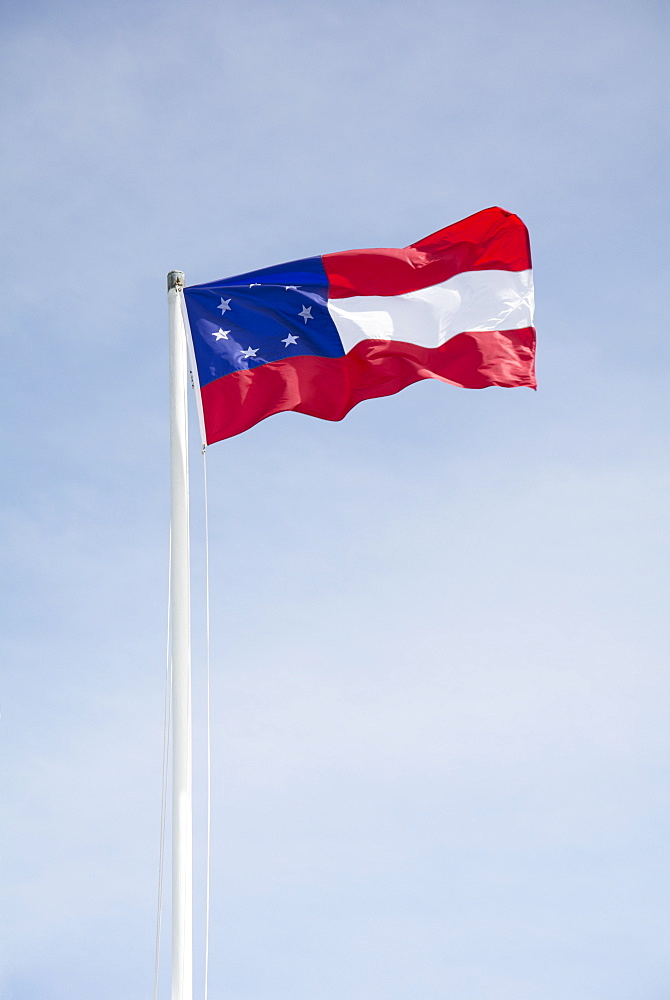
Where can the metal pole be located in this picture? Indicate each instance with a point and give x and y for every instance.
(180, 630)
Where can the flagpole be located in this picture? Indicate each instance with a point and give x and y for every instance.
(180, 637)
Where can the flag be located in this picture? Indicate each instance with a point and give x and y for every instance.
(322, 334)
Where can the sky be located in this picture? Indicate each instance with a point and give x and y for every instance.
(440, 697)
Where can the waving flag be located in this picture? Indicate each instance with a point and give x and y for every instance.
(322, 334)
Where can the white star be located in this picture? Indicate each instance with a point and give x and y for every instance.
(225, 306)
(290, 340)
(292, 288)
(220, 334)
(306, 313)
(250, 352)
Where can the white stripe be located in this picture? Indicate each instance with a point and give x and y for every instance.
(472, 300)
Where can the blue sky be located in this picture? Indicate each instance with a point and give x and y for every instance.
(440, 693)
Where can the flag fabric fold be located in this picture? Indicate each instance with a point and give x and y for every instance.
(322, 334)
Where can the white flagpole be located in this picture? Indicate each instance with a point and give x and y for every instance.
(180, 631)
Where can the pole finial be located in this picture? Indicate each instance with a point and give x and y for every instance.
(175, 279)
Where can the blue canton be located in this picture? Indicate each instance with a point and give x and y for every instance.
(268, 315)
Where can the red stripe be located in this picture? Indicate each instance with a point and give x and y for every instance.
(330, 387)
(490, 240)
